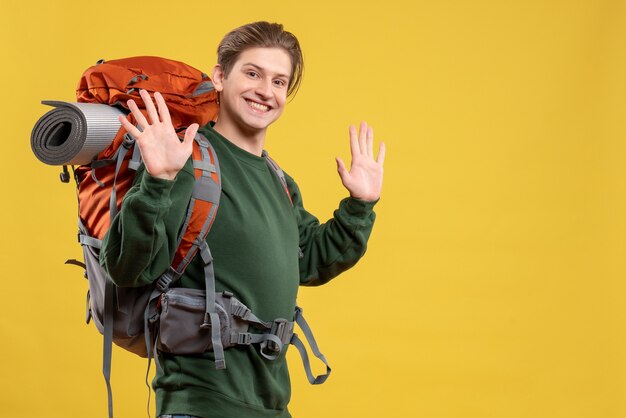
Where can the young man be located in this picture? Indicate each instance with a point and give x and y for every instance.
(264, 243)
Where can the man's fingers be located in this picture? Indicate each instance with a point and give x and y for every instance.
(163, 110)
(341, 169)
(354, 142)
(150, 109)
(190, 134)
(130, 128)
(370, 142)
(381, 154)
(139, 117)
(363, 137)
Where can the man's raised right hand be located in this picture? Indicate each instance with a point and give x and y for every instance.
(161, 150)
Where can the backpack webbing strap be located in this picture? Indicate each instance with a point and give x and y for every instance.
(308, 334)
(150, 315)
(274, 335)
(121, 153)
(211, 317)
(241, 311)
(147, 378)
(96, 164)
(278, 171)
(135, 159)
(107, 349)
(268, 340)
(109, 290)
(85, 239)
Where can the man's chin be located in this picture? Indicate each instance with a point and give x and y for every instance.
(260, 124)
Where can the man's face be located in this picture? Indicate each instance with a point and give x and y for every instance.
(253, 94)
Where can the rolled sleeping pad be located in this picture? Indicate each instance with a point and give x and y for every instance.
(74, 133)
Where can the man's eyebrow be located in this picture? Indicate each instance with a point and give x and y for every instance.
(261, 69)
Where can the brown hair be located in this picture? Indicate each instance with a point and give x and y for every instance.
(264, 35)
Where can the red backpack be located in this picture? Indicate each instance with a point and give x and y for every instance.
(190, 98)
(103, 183)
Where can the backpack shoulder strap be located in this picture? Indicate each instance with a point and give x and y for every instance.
(279, 173)
(201, 210)
(200, 215)
(204, 204)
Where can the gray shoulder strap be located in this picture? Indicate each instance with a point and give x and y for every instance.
(205, 190)
(279, 173)
(121, 153)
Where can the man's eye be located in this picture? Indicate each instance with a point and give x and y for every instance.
(279, 83)
(252, 74)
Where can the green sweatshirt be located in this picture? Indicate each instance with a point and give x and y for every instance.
(263, 247)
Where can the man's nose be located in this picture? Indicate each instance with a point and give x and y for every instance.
(264, 88)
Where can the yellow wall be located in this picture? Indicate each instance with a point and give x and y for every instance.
(494, 281)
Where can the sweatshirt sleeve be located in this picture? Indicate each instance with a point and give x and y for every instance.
(333, 247)
(142, 240)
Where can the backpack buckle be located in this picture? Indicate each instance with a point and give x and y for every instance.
(163, 282)
(240, 311)
(241, 338)
(128, 141)
(283, 329)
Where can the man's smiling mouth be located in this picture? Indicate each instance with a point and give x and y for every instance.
(258, 106)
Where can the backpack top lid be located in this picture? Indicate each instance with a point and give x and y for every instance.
(189, 93)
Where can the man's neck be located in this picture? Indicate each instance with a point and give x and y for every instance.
(252, 142)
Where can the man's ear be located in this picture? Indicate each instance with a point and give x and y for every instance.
(217, 75)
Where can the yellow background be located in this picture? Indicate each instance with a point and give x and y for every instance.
(494, 280)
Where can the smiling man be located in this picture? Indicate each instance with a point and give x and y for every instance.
(264, 243)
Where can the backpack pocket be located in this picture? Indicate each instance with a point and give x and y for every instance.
(182, 317)
(127, 307)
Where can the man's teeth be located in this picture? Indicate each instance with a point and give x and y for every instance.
(258, 105)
